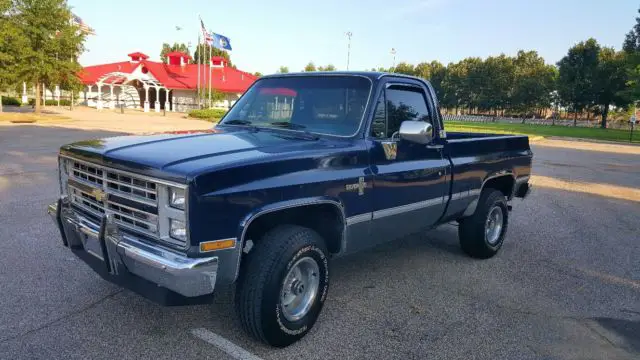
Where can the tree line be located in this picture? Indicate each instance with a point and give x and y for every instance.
(590, 79)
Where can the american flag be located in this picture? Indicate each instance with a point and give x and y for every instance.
(76, 20)
(207, 36)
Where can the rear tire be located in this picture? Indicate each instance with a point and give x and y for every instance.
(482, 234)
(283, 284)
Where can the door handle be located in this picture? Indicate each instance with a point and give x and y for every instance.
(437, 147)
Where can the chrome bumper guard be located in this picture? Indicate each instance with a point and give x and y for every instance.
(186, 276)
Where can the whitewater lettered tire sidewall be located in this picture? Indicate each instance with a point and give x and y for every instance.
(265, 270)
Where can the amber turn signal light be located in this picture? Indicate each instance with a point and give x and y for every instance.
(217, 245)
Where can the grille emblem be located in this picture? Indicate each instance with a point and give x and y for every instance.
(99, 194)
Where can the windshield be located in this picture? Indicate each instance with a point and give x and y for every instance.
(319, 104)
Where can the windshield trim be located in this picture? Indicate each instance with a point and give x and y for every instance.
(364, 112)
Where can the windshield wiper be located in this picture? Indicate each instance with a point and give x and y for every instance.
(247, 123)
(237, 122)
(288, 125)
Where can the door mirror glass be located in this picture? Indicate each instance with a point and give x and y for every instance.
(416, 131)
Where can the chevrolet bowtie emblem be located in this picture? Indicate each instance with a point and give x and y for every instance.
(98, 194)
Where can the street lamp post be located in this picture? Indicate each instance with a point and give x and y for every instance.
(393, 52)
(349, 34)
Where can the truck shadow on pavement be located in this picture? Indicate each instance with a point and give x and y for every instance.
(628, 330)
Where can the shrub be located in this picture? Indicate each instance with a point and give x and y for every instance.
(63, 102)
(8, 101)
(208, 114)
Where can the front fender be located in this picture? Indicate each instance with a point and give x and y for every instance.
(245, 223)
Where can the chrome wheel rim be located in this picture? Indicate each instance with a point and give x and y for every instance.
(299, 289)
(493, 225)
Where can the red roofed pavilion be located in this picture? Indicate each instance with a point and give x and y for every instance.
(143, 83)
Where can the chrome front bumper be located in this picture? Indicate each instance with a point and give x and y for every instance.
(123, 253)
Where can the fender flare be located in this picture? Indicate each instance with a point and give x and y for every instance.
(471, 208)
(284, 205)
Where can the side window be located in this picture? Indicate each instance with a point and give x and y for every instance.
(379, 125)
(405, 103)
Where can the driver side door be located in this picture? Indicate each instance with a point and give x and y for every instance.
(409, 179)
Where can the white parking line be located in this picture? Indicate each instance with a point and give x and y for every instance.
(223, 344)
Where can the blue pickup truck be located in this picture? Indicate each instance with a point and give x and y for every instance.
(303, 168)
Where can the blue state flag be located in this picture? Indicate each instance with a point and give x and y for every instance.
(221, 42)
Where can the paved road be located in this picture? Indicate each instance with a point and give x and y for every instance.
(565, 286)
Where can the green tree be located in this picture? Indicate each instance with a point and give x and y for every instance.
(422, 70)
(610, 82)
(533, 83)
(166, 48)
(205, 48)
(258, 74)
(283, 70)
(631, 47)
(329, 67)
(577, 72)
(43, 44)
(496, 76)
(436, 72)
(310, 67)
(631, 42)
(12, 41)
(404, 68)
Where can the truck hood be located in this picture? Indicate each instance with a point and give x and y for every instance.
(181, 155)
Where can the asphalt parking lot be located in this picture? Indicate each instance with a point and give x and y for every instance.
(566, 284)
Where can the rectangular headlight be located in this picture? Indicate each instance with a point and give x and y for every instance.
(177, 230)
(176, 198)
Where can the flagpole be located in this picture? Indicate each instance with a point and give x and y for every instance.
(198, 88)
(210, 55)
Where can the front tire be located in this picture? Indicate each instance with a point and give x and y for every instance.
(283, 285)
(481, 235)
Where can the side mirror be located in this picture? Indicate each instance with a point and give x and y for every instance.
(416, 131)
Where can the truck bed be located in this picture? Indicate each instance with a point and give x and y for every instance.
(476, 158)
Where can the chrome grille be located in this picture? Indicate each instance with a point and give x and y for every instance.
(139, 188)
(86, 201)
(132, 201)
(88, 173)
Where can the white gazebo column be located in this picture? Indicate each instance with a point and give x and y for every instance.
(99, 101)
(157, 103)
(146, 98)
(120, 97)
(167, 107)
(87, 94)
(111, 102)
(25, 100)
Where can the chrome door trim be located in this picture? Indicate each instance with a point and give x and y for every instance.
(356, 219)
(408, 207)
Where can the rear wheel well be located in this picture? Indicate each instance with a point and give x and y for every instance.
(502, 183)
(325, 219)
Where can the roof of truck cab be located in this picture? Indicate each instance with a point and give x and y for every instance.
(373, 75)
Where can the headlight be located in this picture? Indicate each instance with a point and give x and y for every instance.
(177, 230)
(176, 198)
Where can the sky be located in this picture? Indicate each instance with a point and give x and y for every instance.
(268, 34)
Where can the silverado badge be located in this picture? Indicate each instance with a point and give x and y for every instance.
(98, 194)
(360, 185)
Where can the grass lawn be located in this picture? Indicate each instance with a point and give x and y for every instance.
(26, 118)
(544, 130)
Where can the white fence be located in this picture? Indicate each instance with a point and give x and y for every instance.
(534, 121)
